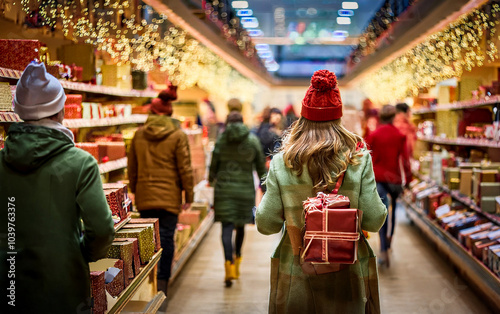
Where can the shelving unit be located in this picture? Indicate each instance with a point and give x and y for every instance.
(460, 105)
(461, 141)
(467, 201)
(182, 257)
(90, 123)
(9, 116)
(482, 278)
(113, 165)
(128, 293)
(82, 87)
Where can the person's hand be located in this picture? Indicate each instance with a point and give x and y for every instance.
(185, 206)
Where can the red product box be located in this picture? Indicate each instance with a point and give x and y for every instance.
(91, 148)
(98, 292)
(73, 111)
(16, 54)
(73, 99)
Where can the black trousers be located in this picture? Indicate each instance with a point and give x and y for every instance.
(227, 240)
(167, 224)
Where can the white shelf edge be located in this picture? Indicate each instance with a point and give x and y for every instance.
(113, 165)
(88, 123)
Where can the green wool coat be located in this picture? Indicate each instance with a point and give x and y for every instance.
(351, 290)
(47, 188)
(236, 155)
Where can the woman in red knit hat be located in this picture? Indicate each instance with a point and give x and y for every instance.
(316, 151)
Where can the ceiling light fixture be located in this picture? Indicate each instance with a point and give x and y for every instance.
(249, 22)
(346, 12)
(342, 20)
(239, 4)
(255, 32)
(346, 5)
(261, 47)
(244, 12)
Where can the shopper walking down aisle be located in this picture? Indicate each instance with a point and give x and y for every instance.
(316, 151)
(269, 131)
(403, 124)
(236, 155)
(389, 150)
(48, 186)
(159, 170)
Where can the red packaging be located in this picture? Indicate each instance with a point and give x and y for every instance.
(16, 54)
(112, 150)
(73, 99)
(91, 148)
(73, 111)
(115, 202)
(98, 292)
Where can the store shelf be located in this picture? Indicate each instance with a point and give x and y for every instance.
(82, 87)
(122, 223)
(9, 116)
(467, 201)
(460, 105)
(482, 278)
(128, 293)
(113, 165)
(182, 257)
(460, 141)
(89, 123)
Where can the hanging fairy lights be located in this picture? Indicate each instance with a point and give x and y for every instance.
(469, 42)
(138, 36)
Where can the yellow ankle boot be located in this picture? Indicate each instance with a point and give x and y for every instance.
(237, 263)
(229, 273)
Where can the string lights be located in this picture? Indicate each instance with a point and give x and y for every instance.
(136, 35)
(466, 43)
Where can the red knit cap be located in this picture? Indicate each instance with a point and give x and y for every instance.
(322, 101)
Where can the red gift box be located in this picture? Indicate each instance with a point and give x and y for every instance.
(112, 150)
(91, 148)
(73, 99)
(339, 246)
(16, 54)
(116, 286)
(98, 292)
(73, 111)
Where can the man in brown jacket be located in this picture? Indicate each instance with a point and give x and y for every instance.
(159, 169)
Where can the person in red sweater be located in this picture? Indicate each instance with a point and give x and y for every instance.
(404, 125)
(389, 155)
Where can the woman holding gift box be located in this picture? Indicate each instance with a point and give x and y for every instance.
(236, 154)
(314, 153)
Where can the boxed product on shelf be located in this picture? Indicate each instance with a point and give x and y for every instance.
(487, 204)
(91, 148)
(189, 217)
(494, 259)
(113, 274)
(145, 238)
(204, 193)
(92, 111)
(136, 261)
(466, 182)
(465, 234)
(125, 251)
(73, 106)
(113, 197)
(109, 151)
(98, 292)
(182, 234)
(452, 178)
(155, 222)
(201, 207)
(480, 176)
(156, 232)
(117, 75)
(5, 97)
(16, 54)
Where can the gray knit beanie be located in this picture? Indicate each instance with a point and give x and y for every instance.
(38, 94)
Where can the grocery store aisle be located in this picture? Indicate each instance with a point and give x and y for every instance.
(418, 281)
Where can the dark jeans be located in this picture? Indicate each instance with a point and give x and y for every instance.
(227, 240)
(383, 190)
(168, 224)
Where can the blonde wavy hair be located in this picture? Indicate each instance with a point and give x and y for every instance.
(326, 147)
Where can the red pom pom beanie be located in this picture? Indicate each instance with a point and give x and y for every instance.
(322, 101)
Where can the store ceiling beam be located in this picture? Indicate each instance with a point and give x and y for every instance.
(414, 26)
(181, 15)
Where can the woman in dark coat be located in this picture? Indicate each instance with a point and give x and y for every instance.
(236, 155)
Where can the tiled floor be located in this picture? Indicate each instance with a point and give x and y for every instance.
(418, 281)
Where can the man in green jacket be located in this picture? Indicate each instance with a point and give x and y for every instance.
(47, 189)
(159, 170)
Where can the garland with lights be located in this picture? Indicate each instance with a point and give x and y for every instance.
(137, 35)
(221, 14)
(466, 43)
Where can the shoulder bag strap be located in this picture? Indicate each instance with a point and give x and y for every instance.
(339, 183)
